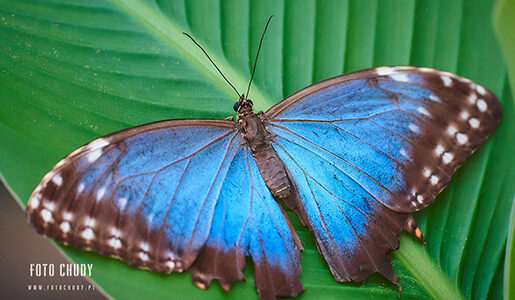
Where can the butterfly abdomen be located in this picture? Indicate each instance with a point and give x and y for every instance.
(273, 171)
(270, 165)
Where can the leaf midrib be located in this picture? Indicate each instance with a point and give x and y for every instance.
(171, 35)
(414, 257)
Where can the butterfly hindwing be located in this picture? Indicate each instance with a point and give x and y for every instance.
(153, 196)
(354, 232)
(368, 148)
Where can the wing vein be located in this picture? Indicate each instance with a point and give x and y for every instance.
(335, 155)
(324, 225)
(182, 158)
(228, 147)
(337, 120)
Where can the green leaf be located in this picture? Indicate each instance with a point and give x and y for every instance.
(74, 70)
(505, 29)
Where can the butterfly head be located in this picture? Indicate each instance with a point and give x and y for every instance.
(243, 106)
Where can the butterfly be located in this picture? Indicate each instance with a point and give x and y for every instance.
(353, 156)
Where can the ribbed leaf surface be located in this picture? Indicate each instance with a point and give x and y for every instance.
(74, 70)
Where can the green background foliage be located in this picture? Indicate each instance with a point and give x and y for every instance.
(73, 70)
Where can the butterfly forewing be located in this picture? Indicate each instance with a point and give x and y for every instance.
(154, 195)
(367, 148)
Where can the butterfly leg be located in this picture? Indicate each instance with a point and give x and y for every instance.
(230, 118)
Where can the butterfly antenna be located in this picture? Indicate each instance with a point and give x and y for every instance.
(257, 55)
(219, 71)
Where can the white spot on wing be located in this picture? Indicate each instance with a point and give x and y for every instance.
(122, 202)
(462, 138)
(439, 150)
(80, 188)
(413, 127)
(46, 215)
(420, 199)
(481, 105)
(447, 81)
(434, 98)
(116, 232)
(57, 180)
(34, 202)
(90, 222)
(143, 256)
(464, 115)
(170, 264)
(434, 179)
(402, 77)
(474, 123)
(451, 130)
(427, 172)
(97, 144)
(480, 89)
(423, 111)
(88, 234)
(144, 246)
(50, 205)
(382, 71)
(115, 243)
(100, 193)
(447, 157)
(68, 216)
(472, 98)
(94, 155)
(65, 226)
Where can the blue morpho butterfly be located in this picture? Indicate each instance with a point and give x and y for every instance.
(354, 156)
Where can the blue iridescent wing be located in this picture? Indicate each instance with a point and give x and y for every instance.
(168, 196)
(257, 225)
(367, 148)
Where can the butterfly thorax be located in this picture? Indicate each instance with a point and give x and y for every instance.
(252, 127)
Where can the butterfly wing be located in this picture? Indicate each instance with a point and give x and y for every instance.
(399, 131)
(366, 149)
(166, 196)
(258, 225)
